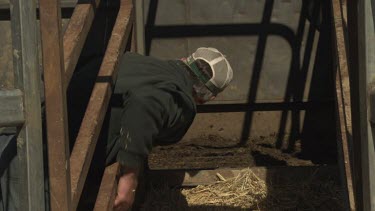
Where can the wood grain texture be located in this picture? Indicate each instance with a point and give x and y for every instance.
(30, 179)
(92, 122)
(4, 4)
(76, 34)
(56, 110)
(343, 98)
(107, 190)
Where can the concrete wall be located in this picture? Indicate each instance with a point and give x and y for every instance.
(280, 52)
(272, 45)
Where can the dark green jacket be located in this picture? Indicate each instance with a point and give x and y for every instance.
(152, 103)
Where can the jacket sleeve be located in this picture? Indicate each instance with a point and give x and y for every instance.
(143, 116)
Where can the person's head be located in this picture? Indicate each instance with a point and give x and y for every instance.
(210, 72)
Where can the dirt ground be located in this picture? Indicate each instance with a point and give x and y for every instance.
(212, 152)
(311, 193)
(209, 152)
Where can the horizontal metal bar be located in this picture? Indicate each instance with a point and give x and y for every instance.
(372, 103)
(274, 106)
(11, 108)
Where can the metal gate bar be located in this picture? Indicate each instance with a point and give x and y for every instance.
(365, 83)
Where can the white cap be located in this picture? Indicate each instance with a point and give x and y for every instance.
(222, 73)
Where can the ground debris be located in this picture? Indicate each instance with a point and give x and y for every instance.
(247, 191)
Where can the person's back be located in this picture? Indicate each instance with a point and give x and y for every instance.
(154, 101)
(157, 96)
(136, 71)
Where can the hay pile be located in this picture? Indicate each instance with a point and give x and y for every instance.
(248, 192)
(245, 191)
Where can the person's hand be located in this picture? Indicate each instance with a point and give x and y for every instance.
(127, 185)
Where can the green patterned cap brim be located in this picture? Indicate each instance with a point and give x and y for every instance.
(203, 78)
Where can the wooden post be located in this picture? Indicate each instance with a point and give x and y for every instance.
(75, 35)
(56, 113)
(108, 187)
(343, 101)
(27, 79)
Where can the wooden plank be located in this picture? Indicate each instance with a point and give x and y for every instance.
(107, 190)
(92, 122)
(4, 4)
(275, 175)
(11, 108)
(27, 79)
(56, 112)
(343, 99)
(75, 35)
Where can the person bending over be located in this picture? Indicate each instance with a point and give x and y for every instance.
(158, 101)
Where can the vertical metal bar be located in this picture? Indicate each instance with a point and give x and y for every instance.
(139, 26)
(56, 113)
(366, 71)
(27, 76)
(133, 42)
(352, 26)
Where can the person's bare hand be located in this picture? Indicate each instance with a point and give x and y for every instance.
(127, 185)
